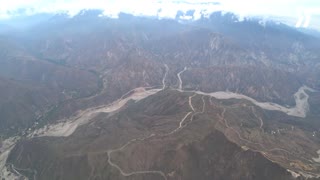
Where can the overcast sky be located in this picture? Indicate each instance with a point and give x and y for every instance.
(302, 12)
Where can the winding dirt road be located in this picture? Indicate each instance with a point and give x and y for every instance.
(179, 77)
(152, 135)
(135, 172)
(165, 76)
(258, 117)
(190, 102)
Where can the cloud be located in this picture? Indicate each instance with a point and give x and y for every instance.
(300, 21)
(301, 10)
(307, 21)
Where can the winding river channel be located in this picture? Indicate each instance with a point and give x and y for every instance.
(66, 127)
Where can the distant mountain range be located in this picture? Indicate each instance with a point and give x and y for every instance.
(22, 19)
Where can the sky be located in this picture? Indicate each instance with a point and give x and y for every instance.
(301, 13)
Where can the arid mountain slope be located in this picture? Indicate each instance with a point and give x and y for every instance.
(140, 98)
(198, 150)
(30, 87)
